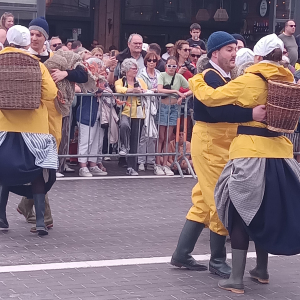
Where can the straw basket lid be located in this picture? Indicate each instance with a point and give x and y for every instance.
(283, 106)
(20, 81)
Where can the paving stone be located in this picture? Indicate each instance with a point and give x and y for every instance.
(119, 219)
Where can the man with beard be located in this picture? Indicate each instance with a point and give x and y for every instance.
(212, 136)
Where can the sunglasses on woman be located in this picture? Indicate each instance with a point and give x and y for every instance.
(186, 50)
(172, 66)
(152, 60)
(195, 55)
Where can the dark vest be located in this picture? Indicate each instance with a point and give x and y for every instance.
(226, 113)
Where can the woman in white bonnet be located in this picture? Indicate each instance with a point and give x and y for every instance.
(257, 194)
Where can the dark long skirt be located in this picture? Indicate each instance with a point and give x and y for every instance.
(17, 166)
(276, 226)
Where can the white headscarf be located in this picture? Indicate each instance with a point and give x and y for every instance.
(18, 35)
(267, 44)
(243, 56)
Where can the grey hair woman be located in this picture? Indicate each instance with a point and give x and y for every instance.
(133, 112)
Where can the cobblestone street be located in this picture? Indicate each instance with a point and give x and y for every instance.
(112, 239)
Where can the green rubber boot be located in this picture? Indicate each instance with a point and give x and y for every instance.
(217, 262)
(235, 282)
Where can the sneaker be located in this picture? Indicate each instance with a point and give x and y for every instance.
(69, 170)
(158, 170)
(107, 158)
(168, 171)
(84, 172)
(131, 172)
(59, 175)
(96, 171)
(142, 167)
(123, 151)
(101, 167)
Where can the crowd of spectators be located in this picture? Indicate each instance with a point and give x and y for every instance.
(144, 123)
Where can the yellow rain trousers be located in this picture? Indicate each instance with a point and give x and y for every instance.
(210, 153)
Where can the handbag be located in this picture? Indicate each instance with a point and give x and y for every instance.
(168, 87)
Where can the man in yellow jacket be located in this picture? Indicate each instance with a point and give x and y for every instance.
(213, 133)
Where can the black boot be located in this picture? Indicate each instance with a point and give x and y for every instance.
(4, 192)
(260, 272)
(39, 203)
(187, 240)
(217, 263)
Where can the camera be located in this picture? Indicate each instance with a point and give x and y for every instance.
(189, 66)
(136, 85)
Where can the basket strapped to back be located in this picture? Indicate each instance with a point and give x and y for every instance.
(20, 81)
(283, 106)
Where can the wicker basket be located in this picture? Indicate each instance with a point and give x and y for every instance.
(20, 81)
(283, 106)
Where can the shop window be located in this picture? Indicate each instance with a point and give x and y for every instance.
(23, 10)
(70, 8)
(158, 10)
(284, 10)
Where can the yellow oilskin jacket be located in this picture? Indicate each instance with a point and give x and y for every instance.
(248, 91)
(130, 110)
(46, 119)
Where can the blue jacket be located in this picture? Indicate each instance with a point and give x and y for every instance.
(86, 110)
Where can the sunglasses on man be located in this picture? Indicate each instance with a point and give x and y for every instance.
(55, 45)
(195, 55)
(292, 26)
(172, 66)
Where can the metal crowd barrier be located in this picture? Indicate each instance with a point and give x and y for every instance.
(107, 105)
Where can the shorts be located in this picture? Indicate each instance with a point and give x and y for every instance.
(168, 114)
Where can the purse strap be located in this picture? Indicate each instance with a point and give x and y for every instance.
(172, 80)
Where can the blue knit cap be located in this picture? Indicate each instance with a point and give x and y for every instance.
(40, 24)
(218, 40)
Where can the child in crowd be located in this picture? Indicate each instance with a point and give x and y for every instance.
(195, 31)
(172, 148)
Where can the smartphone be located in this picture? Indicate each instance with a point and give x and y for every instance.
(113, 53)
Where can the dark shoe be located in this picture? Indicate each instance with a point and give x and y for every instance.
(260, 272)
(25, 208)
(235, 282)
(39, 203)
(187, 240)
(4, 193)
(3, 224)
(34, 230)
(42, 231)
(217, 263)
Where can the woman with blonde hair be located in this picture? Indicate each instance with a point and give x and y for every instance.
(97, 52)
(6, 21)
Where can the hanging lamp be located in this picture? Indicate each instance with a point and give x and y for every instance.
(221, 14)
(202, 14)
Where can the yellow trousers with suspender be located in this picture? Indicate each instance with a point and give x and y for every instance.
(210, 153)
